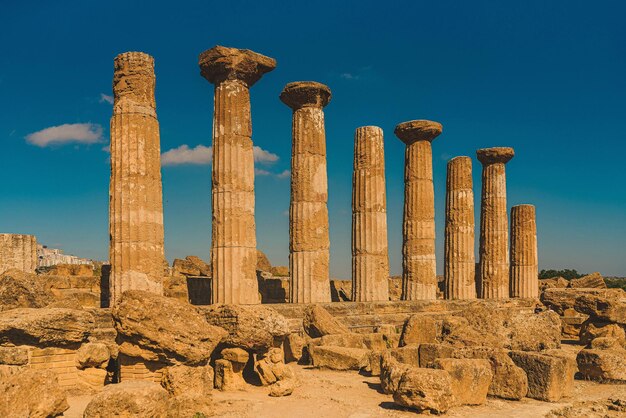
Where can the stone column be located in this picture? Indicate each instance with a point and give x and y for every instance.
(494, 228)
(419, 274)
(459, 261)
(309, 243)
(370, 260)
(18, 251)
(136, 248)
(524, 266)
(233, 246)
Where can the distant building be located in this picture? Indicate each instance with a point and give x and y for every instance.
(51, 257)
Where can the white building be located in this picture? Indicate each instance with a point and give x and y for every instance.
(51, 256)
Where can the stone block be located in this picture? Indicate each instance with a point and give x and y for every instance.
(470, 379)
(339, 358)
(425, 390)
(548, 376)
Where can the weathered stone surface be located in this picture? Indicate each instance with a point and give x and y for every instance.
(272, 369)
(425, 390)
(470, 379)
(318, 322)
(185, 268)
(344, 340)
(459, 259)
(283, 388)
(376, 341)
(418, 329)
(591, 330)
(84, 270)
(45, 327)
(603, 364)
(593, 280)
(293, 346)
(406, 355)
(571, 368)
(339, 358)
(136, 248)
(22, 290)
(603, 306)
(419, 274)
(280, 271)
(391, 370)
(554, 282)
(262, 262)
(32, 393)
(93, 355)
(18, 251)
(559, 300)
(91, 379)
(14, 356)
(494, 228)
(524, 262)
(235, 355)
(190, 405)
(229, 375)
(233, 247)
(178, 380)
(175, 332)
(428, 353)
(256, 328)
(535, 332)
(548, 376)
(605, 408)
(129, 399)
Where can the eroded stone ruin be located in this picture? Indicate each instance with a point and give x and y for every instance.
(143, 339)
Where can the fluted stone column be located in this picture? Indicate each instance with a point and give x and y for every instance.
(459, 262)
(494, 228)
(309, 244)
(370, 259)
(233, 247)
(136, 248)
(18, 251)
(419, 274)
(524, 265)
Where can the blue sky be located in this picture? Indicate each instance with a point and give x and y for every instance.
(547, 78)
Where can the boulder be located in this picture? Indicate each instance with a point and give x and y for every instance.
(559, 300)
(606, 343)
(31, 393)
(262, 262)
(457, 331)
(558, 282)
(548, 376)
(535, 332)
(283, 388)
(91, 380)
(605, 305)
(45, 327)
(293, 346)
(418, 329)
(339, 358)
(178, 380)
(185, 268)
(93, 355)
(271, 369)
(204, 268)
(375, 341)
(150, 325)
(572, 367)
(318, 322)
(470, 379)
(229, 375)
(604, 408)
(406, 355)
(602, 364)
(391, 370)
(14, 356)
(593, 280)
(425, 390)
(428, 353)
(129, 399)
(251, 327)
(591, 330)
(22, 290)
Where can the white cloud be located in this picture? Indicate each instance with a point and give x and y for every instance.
(261, 172)
(262, 156)
(83, 133)
(349, 76)
(106, 98)
(199, 155)
(285, 174)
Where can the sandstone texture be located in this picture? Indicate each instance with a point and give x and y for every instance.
(470, 379)
(22, 290)
(603, 364)
(370, 259)
(32, 393)
(136, 249)
(182, 335)
(524, 262)
(419, 273)
(548, 376)
(339, 358)
(93, 355)
(593, 280)
(18, 252)
(419, 329)
(129, 399)
(233, 248)
(318, 322)
(494, 228)
(425, 390)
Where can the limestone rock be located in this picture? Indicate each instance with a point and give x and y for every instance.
(190, 405)
(591, 330)
(228, 375)
(45, 327)
(251, 327)
(418, 329)
(93, 355)
(406, 355)
(293, 346)
(558, 282)
(344, 340)
(606, 343)
(178, 380)
(14, 356)
(91, 379)
(235, 355)
(283, 388)
(605, 408)
(272, 369)
(185, 268)
(391, 370)
(339, 358)
(280, 271)
(428, 353)
(22, 290)
(129, 399)
(262, 262)
(318, 322)
(608, 305)
(175, 332)
(572, 368)
(457, 331)
(548, 376)
(535, 332)
(559, 300)
(593, 280)
(602, 364)
(85, 270)
(32, 393)
(470, 379)
(425, 390)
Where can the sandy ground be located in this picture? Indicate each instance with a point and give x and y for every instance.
(327, 393)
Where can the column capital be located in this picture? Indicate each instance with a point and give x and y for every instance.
(222, 63)
(133, 83)
(495, 155)
(301, 94)
(418, 130)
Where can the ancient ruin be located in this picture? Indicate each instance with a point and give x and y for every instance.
(494, 227)
(309, 244)
(233, 247)
(459, 265)
(419, 273)
(370, 260)
(135, 193)
(140, 338)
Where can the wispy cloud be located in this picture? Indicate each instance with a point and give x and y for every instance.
(200, 155)
(349, 76)
(82, 133)
(261, 172)
(105, 98)
(358, 74)
(262, 156)
(283, 175)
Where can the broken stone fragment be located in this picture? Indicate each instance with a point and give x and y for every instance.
(425, 390)
(318, 322)
(339, 358)
(93, 355)
(418, 329)
(228, 376)
(470, 379)
(548, 376)
(178, 380)
(31, 393)
(130, 398)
